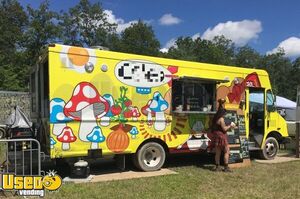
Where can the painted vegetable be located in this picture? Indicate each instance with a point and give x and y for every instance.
(118, 140)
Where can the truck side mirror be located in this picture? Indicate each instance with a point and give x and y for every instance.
(271, 108)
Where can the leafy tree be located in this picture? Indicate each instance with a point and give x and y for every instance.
(294, 79)
(86, 24)
(13, 21)
(279, 68)
(247, 57)
(184, 49)
(42, 29)
(139, 38)
(218, 51)
(223, 51)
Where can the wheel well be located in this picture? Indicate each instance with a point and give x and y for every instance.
(275, 135)
(159, 141)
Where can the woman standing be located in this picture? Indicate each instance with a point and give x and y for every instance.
(220, 129)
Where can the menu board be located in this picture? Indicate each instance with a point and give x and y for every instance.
(241, 125)
(244, 147)
(238, 142)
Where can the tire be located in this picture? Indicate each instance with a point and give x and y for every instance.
(270, 149)
(150, 157)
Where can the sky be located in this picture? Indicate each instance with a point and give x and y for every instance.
(264, 25)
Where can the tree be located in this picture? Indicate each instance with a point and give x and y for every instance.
(294, 79)
(218, 51)
(247, 57)
(139, 38)
(183, 49)
(42, 29)
(279, 68)
(86, 24)
(13, 21)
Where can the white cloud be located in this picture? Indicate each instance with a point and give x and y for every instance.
(196, 36)
(169, 19)
(168, 45)
(240, 32)
(291, 47)
(121, 25)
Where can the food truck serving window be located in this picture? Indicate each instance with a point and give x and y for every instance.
(193, 94)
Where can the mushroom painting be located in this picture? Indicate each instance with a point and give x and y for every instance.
(158, 105)
(52, 143)
(66, 137)
(133, 132)
(105, 120)
(86, 105)
(135, 112)
(96, 137)
(147, 112)
(57, 116)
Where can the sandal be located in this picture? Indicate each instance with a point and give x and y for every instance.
(217, 168)
(227, 169)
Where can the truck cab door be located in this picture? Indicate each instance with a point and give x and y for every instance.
(272, 116)
(246, 112)
(256, 120)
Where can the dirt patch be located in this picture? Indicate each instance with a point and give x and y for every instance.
(120, 176)
(280, 159)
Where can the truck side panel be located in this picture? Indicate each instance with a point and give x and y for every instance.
(125, 99)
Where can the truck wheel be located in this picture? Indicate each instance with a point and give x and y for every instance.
(150, 157)
(270, 149)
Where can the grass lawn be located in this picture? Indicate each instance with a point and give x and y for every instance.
(195, 180)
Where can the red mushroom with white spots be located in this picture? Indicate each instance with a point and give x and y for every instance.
(86, 105)
(66, 137)
(135, 112)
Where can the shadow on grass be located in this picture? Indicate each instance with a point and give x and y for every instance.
(108, 166)
(204, 161)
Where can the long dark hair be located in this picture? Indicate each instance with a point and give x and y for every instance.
(220, 112)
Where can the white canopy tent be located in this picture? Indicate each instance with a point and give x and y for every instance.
(282, 102)
(286, 107)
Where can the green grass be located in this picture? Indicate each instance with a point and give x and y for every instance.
(195, 180)
(258, 181)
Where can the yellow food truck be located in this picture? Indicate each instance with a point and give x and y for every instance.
(89, 103)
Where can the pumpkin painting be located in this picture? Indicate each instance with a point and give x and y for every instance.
(117, 141)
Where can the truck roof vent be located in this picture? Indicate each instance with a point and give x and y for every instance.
(99, 47)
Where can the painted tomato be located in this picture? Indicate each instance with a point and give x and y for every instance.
(128, 103)
(116, 110)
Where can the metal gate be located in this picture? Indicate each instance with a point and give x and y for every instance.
(20, 156)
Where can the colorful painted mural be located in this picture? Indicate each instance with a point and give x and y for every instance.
(114, 102)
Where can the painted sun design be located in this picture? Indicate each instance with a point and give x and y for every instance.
(177, 129)
(76, 58)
